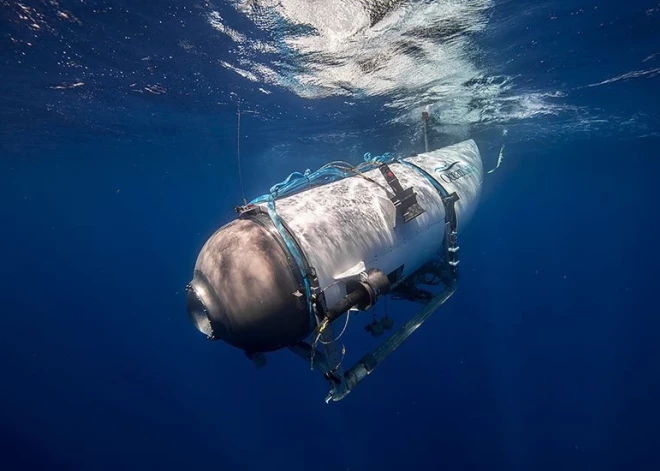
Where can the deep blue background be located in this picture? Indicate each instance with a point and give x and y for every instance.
(546, 358)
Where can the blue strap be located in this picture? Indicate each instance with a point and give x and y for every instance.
(296, 254)
(329, 173)
(296, 182)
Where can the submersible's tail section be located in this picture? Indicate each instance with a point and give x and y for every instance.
(299, 258)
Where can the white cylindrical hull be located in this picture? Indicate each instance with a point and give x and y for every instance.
(341, 224)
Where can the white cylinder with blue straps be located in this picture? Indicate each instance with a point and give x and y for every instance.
(348, 226)
(263, 281)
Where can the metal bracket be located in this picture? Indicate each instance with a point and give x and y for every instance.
(405, 201)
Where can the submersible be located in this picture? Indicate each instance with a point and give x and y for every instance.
(322, 245)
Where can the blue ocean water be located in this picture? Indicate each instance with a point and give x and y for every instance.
(118, 137)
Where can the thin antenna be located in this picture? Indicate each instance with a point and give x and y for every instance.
(425, 123)
(238, 150)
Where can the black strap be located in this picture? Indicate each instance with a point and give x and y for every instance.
(451, 234)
